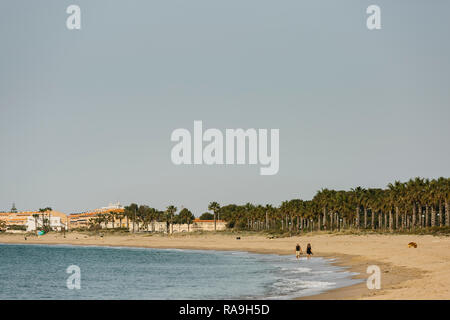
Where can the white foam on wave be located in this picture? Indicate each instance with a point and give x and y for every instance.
(295, 284)
(315, 284)
(291, 288)
(297, 270)
(324, 272)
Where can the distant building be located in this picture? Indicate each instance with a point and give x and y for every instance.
(196, 225)
(58, 221)
(82, 220)
(29, 220)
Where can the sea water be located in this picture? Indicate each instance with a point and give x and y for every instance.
(39, 272)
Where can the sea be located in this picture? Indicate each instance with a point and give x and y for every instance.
(53, 272)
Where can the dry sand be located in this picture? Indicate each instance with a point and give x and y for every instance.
(406, 273)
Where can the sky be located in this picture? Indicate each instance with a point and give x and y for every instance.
(86, 115)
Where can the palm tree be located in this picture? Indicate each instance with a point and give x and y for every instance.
(294, 208)
(268, 211)
(373, 201)
(45, 221)
(113, 216)
(432, 197)
(365, 203)
(441, 197)
(383, 207)
(323, 200)
(120, 216)
(95, 222)
(446, 197)
(186, 216)
(145, 215)
(396, 198)
(170, 211)
(42, 211)
(415, 190)
(36, 216)
(359, 196)
(130, 214)
(214, 207)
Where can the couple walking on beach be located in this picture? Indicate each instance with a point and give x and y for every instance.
(299, 252)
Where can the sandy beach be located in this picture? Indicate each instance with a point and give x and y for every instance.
(406, 273)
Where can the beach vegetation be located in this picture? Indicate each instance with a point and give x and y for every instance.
(419, 206)
(206, 216)
(215, 208)
(17, 227)
(2, 225)
(415, 206)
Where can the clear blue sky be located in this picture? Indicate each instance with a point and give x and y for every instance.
(86, 116)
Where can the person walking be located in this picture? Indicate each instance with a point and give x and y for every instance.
(308, 251)
(298, 251)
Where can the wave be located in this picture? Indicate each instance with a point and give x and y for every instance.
(297, 270)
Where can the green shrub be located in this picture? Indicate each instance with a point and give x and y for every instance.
(17, 227)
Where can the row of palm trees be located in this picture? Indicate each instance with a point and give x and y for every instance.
(417, 203)
(141, 217)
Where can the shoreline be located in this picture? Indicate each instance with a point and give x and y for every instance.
(397, 278)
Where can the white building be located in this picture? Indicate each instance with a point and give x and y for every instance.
(55, 223)
(111, 206)
(196, 225)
